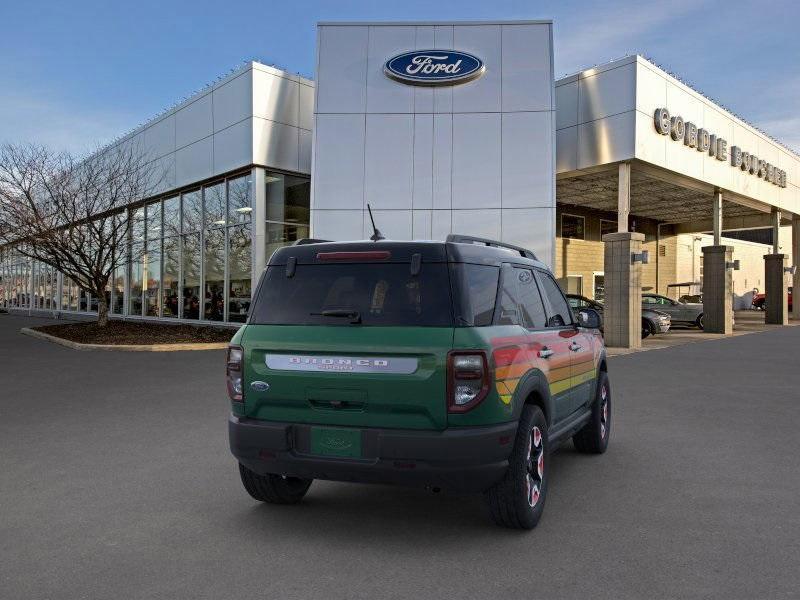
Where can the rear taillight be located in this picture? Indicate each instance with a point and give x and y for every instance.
(467, 379)
(233, 372)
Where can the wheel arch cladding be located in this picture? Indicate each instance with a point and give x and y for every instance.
(534, 389)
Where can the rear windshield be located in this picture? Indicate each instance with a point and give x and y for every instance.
(379, 293)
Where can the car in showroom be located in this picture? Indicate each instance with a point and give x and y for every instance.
(681, 313)
(448, 365)
(760, 300)
(653, 321)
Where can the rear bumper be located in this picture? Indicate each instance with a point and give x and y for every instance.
(468, 459)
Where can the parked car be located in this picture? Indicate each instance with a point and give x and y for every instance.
(357, 364)
(760, 300)
(653, 321)
(682, 313)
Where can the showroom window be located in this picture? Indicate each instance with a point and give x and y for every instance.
(573, 227)
(170, 276)
(189, 254)
(607, 227)
(151, 261)
(288, 210)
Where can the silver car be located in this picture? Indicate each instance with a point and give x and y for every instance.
(682, 313)
(653, 321)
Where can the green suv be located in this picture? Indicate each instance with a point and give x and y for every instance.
(450, 365)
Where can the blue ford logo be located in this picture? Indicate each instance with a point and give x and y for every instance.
(434, 67)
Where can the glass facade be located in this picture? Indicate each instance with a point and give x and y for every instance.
(287, 209)
(190, 255)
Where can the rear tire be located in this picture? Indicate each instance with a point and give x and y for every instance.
(699, 321)
(274, 489)
(518, 500)
(593, 438)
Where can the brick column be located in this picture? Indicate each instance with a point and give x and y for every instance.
(776, 289)
(717, 290)
(622, 314)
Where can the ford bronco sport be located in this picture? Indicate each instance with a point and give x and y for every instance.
(454, 365)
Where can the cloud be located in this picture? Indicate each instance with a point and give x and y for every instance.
(39, 117)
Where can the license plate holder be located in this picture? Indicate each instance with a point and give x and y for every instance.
(332, 441)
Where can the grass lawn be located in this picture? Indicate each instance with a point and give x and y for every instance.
(131, 332)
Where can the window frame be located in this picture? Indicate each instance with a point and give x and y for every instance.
(614, 223)
(583, 220)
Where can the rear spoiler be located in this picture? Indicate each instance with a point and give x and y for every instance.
(304, 241)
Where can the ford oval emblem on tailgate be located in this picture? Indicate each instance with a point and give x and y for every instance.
(344, 364)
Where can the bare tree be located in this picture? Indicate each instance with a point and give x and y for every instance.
(70, 213)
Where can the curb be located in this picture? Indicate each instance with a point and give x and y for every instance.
(124, 347)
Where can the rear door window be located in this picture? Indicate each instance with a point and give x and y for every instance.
(559, 314)
(379, 293)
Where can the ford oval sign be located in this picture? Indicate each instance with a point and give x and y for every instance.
(434, 67)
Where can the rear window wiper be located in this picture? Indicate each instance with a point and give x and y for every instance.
(342, 313)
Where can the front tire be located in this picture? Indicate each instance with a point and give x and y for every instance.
(593, 438)
(646, 331)
(700, 321)
(518, 500)
(273, 489)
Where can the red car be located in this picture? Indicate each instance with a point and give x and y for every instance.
(760, 300)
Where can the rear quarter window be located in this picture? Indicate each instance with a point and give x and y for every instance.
(474, 292)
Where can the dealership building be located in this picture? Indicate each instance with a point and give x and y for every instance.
(620, 177)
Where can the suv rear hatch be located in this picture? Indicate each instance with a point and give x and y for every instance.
(351, 334)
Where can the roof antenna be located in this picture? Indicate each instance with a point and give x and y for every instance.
(377, 235)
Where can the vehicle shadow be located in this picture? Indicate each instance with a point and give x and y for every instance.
(355, 513)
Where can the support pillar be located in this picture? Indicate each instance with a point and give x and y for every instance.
(717, 217)
(622, 314)
(717, 290)
(796, 263)
(258, 199)
(776, 289)
(776, 231)
(623, 197)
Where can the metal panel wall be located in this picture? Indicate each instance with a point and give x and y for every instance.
(476, 158)
(256, 115)
(606, 114)
(657, 89)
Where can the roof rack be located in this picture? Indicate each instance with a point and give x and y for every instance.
(304, 241)
(468, 239)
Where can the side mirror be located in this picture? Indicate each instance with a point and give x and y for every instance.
(589, 318)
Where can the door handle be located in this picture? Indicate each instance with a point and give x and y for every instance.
(574, 347)
(545, 352)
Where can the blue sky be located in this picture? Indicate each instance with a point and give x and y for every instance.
(75, 74)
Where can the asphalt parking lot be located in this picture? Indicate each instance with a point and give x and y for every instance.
(116, 482)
